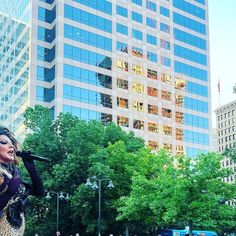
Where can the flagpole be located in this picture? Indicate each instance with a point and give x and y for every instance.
(219, 90)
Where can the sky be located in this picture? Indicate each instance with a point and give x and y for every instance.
(222, 29)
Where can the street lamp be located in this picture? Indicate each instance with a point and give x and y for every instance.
(95, 186)
(60, 196)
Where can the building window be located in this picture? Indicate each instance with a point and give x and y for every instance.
(179, 150)
(122, 102)
(168, 147)
(153, 127)
(180, 83)
(137, 88)
(152, 145)
(137, 69)
(138, 52)
(122, 47)
(166, 78)
(179, 117)
(121, 83)
(152, 109)
(138, 124)
(179, 100)
(123, 65)
(179, 134)
(152, 74)
(152, 91)
(166, 95)
(123, 121)
(165, 44)
(167, 130)
(166, 113)
(138, 106)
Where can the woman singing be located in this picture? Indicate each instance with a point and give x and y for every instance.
(13, 191)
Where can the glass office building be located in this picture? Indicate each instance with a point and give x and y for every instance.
(143, 64)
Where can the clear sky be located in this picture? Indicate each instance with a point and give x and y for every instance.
(222, 24)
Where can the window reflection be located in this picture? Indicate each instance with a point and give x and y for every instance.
(168, 147)
(123, 121)
(138, 52)
(166, 95)
(137, 88)
(121, 83)
(179, 117)
(152, 145)
(180, 83)
(179, 100)
(153, 127)
(166, 113)
(123, 65)
(152, 74)
(122, 102)
(179, 150)
(152, 109)
(152, 91)
(167, 130)
(138, 124)
(166, 78)
(179, 134)
(137, 69)
(138, 106)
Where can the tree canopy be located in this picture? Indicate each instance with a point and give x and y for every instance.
(153, 190)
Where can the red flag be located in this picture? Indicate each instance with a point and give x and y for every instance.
(218, 86)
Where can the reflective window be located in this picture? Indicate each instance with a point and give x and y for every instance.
(152, 56)
(47, 1)
(121, 11)
(138, 124)
(45, 34)
(46, 15)
(100, 5)
(166, 78)
(180, 83)
(46, 54)
(179, 117)
(87, 76)
(189, 39)
(153, 145)
(123, 65)
(138, 52)
(87, 18)
(88, 57)
(179, 100)
(164, 11)
(122, 102)
(151, 22)
(87, 37)
(191, 71)
(121, 83)
(152, 109)
(85, 114)
(136, 34)
(189, 8)
(200, 1)
(152, 74)
(123, 121)
(153, 127)
(122, 29)
(137, 69)
(137, 17)
(179, 134)
(166, 112)
(151, 39)
(138, 2)
(190, 55)
(164, 28)
(45, 74)
(122, 47)
(180, 150)
(138, 106)
(166, 95)
(152, 91)
(45, 94)
(189, 23)
(87, 96)
(196, 137)
(165, 44)
(165, 61)
(168, 147)
(194, 152)
(195, 104)
(137, 88)
(197, 89)
(167, 130)
(196, 121)
(151, 5)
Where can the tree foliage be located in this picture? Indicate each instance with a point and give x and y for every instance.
(152, 190)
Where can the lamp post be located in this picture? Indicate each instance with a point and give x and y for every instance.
(95, 186)
(60, 196)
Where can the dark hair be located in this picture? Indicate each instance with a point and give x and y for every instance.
(9, 134)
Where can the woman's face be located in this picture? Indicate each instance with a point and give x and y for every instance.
(7, 150)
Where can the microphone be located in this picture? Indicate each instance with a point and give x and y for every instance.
(27, 154)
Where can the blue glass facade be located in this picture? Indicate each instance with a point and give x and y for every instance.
(143, 65)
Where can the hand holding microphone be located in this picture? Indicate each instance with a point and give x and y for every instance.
(30, 156)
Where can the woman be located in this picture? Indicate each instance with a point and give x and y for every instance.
(13, 191)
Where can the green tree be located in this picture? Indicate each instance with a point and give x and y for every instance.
(77, 150)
